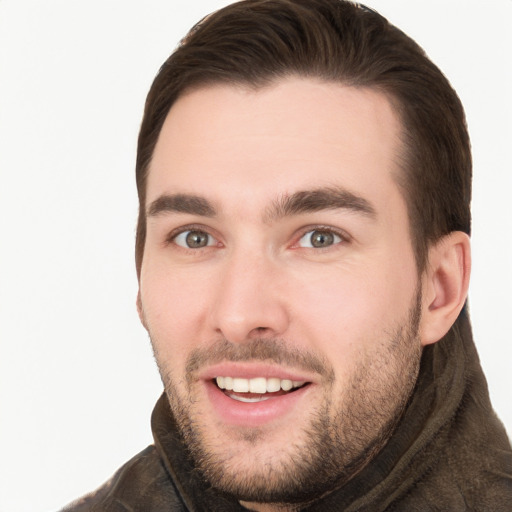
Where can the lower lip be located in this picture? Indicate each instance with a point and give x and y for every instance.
(253, 414)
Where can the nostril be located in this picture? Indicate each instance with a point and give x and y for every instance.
(260, 332)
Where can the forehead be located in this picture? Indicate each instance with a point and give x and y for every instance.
(246, 145)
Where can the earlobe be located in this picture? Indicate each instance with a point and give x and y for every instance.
(445, 285)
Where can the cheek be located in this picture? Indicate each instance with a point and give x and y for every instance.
(175, 306)
(354, 308)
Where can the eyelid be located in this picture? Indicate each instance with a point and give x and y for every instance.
(342, 234)
(171, 237)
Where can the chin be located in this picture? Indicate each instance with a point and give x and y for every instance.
(294, 463)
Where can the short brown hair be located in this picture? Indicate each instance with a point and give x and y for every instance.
(256, 42)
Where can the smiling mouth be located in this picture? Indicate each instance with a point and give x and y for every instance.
(257, 389)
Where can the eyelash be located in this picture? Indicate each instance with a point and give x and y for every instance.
(342, 235)
(173, 235)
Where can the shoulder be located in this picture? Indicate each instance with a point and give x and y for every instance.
(142, 483)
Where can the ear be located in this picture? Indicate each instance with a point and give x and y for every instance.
(445, 285)
(140, 311)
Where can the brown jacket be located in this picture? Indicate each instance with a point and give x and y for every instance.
(449, 453)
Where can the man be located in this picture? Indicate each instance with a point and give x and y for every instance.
(304, 178)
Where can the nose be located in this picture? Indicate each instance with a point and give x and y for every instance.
(250, 299)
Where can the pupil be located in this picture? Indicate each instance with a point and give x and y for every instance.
(197, 239)
(321, 239)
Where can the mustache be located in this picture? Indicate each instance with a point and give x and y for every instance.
(258, 349)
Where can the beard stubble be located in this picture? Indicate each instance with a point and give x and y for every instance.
(340, 437)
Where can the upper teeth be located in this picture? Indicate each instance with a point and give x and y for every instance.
(257, 385)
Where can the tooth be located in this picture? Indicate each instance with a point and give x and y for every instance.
(273, 385)
(286, 385)
(228, 383)
(258, 385)
(241, 385)
(249, 400)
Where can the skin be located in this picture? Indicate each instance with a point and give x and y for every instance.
(349, 318)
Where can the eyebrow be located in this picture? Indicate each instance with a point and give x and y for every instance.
(325, 198)
(181, 203)
(303, 201)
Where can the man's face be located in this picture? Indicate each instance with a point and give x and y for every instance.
(278, 255)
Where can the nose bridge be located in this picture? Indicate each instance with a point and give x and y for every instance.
(248, 301)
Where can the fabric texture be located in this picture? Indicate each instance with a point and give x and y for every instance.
(449, 453)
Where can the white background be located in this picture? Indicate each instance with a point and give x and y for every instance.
(77, 378)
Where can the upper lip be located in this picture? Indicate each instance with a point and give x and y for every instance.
(251, 370)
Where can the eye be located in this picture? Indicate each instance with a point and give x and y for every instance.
(194, 239)
(319, 238)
